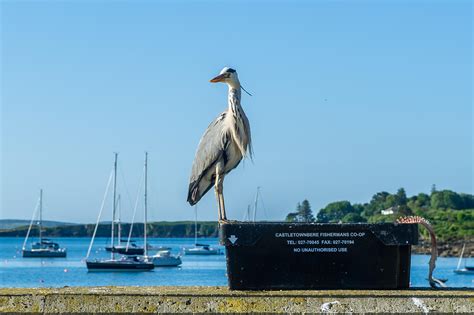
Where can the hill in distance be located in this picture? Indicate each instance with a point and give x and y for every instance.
(14, 223)
(155, 229)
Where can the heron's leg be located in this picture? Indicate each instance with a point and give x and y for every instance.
(216, 189)
(220, 188)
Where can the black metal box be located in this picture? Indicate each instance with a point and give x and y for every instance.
(270, 256)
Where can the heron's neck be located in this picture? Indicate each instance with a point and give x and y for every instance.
(234, 98)
(237, 121)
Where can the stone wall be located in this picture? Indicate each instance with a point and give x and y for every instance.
(219, 299)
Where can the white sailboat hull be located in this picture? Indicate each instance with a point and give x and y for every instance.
(163, 259)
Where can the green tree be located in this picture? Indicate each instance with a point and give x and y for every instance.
(401, 201)
(358, 208)
(291, 217)
(391, 201)
(467, 201)
(446, 199)
(377, 203)
(353, 218)
(401, 197)
(335, 211)
(422, 200)
(305, 214)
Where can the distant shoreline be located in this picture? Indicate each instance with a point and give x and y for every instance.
(446, 249)
(178, 229)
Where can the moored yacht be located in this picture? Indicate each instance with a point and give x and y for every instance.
(199, 248)
(43, 248)
(114, 264)
(130, 263)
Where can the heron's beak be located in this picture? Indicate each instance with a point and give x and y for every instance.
(219, 78)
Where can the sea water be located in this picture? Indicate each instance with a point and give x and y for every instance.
(16, 271)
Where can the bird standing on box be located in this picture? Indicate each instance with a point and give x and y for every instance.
(225, 142)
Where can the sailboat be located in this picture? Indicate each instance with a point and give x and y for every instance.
(131, 248)
(162, 258)
(124, 263)
(44, 248)
(466, 269)
(199, 248)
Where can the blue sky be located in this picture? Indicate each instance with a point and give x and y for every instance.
(349, 98)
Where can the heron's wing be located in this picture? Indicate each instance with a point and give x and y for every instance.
(211, 148)
(248, 133)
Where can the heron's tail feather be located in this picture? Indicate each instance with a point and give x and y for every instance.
(192, 194)
(197, 189)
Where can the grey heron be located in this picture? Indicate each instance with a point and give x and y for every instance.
(225, 142)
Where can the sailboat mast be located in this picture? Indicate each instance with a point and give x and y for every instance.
(114, 205)
(119, 224)
(195, 225)
(146, 204)
(255, 206)
(41, 217)
(460, 257)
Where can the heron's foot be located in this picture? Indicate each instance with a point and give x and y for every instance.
(222, 221)
(226, 221)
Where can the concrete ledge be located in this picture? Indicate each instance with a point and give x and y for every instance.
(220, 299)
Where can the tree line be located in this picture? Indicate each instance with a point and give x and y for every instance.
(451, 213)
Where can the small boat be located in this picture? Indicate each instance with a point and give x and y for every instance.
(201, 249)
(198, 248)
(114, 264)
(466, 270)
(163, 258)
(44, 248)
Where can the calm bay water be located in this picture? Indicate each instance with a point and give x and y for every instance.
(16, 271)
